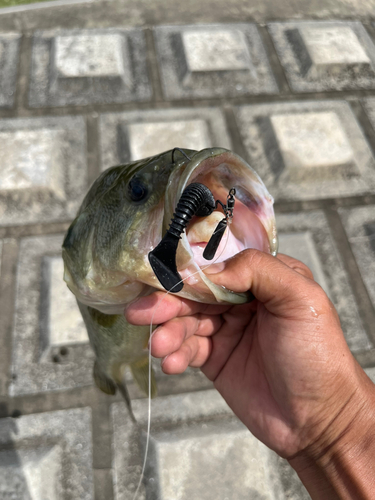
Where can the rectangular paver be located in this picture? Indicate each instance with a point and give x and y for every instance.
(43, 174)
(138, 134)
(47, 456)
(307, 150)
(198, 449)
(50, 345)
(213, 61)
(325, 55)
(88, 66)
(306, 237)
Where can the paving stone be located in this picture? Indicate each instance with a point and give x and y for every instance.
(306, 236)
(50, 347)
(9, 49)
(82, 67)
(47, 456)
(138, 134)
(213, 61)
(43, 175)
(359, 225)
(64, 323)
(307, 150)
(371, 373)
(320, 55)
(198, 449)
(369, 105)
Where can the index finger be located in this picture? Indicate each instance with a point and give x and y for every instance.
(160, 307)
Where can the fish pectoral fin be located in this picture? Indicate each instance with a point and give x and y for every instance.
(140, 371)
(104, 383)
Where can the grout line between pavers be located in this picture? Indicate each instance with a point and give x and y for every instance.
(23, 74)
(103, 484)
(283, 206)
(153, 66)
(365, 307)
(370, 30)
(48, 401)
(277, 68)
(365, 123)
(234, 133)
(102, 433)
(93, 148)
(34, 229)
(185, 103)
(7, 303)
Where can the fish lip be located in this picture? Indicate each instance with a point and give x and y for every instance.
(207, 160)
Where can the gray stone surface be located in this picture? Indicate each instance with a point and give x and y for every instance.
(63, 321)
(138, 90)
(82, 67)
(359, 224)
(47, 456)
(306, 236)
(139, 134)
(307, 150)
(9, 49)
(43, 169)
(48, 353)
(369, 105)
(198, 449)
(213, 61)
(319, 56)
(370, 372)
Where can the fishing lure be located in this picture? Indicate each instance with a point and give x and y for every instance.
(197, 200)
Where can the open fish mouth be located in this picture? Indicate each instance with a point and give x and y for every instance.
(252, 226)
(128, 210)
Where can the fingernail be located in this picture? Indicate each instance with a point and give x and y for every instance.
(215, 268)
(164, 360)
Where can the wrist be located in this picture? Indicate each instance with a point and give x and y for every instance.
(340, 463)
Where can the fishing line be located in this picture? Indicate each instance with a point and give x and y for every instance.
(150, 357)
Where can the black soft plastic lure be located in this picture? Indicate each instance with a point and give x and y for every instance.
(197, 200)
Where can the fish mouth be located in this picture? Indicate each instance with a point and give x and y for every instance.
(252, 226)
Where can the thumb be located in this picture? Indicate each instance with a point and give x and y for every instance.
(271, 281)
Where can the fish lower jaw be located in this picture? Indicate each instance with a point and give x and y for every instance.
(228, 247)
(244, 231)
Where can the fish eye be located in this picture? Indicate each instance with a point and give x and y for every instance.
(137, 190)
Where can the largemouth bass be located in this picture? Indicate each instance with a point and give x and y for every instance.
(124, 216)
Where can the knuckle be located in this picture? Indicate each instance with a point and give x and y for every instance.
(320, 297)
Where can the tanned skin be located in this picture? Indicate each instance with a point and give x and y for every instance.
(282, 364)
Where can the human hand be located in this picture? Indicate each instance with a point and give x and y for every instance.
(281, 362)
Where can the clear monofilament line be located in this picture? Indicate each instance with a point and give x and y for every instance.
(150, 359)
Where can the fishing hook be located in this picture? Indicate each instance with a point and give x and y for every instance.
(182, 152)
